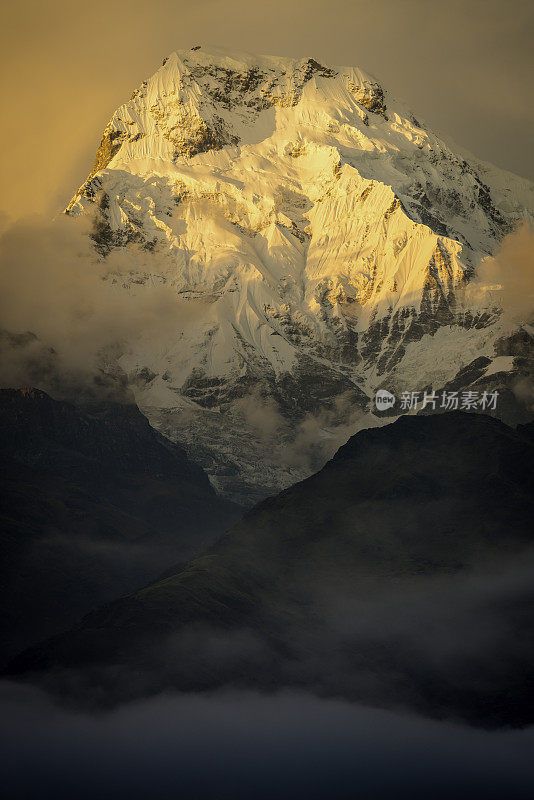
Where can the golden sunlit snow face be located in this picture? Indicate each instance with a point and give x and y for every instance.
(320, 225)
(273, 455)
(66, 68)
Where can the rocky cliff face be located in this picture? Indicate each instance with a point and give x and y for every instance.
(327, 239)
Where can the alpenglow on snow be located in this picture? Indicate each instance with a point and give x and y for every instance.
(328, 241)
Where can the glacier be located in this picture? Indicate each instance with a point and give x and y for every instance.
(328, 242)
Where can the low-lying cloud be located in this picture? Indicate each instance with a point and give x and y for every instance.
(242, 745)
(66, 315)
(509, 275)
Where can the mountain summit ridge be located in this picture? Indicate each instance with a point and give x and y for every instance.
(328, 238)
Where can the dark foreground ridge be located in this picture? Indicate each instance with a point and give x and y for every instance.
(400, 575)
(94, 503)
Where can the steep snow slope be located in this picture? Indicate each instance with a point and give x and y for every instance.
(327, 239)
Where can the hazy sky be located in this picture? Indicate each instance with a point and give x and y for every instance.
(464, 67)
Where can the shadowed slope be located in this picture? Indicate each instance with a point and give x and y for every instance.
(94, 503)
(400, 574)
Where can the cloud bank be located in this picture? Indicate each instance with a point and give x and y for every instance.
(233, 746)
(65, 315)
(511, 272)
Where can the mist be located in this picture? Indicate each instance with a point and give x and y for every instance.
(65, 314)
(250, 745)
(509, 275)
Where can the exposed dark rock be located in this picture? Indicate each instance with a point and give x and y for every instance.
(312, 387)
(520, 343)
(313, 67)
(370, 95)
(200, 137)
(106, 238)
(514, 387)
(485, 201)
(109, 146)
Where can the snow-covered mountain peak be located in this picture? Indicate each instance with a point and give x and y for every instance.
(329, 234)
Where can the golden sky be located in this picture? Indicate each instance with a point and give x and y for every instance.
(464, 67)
